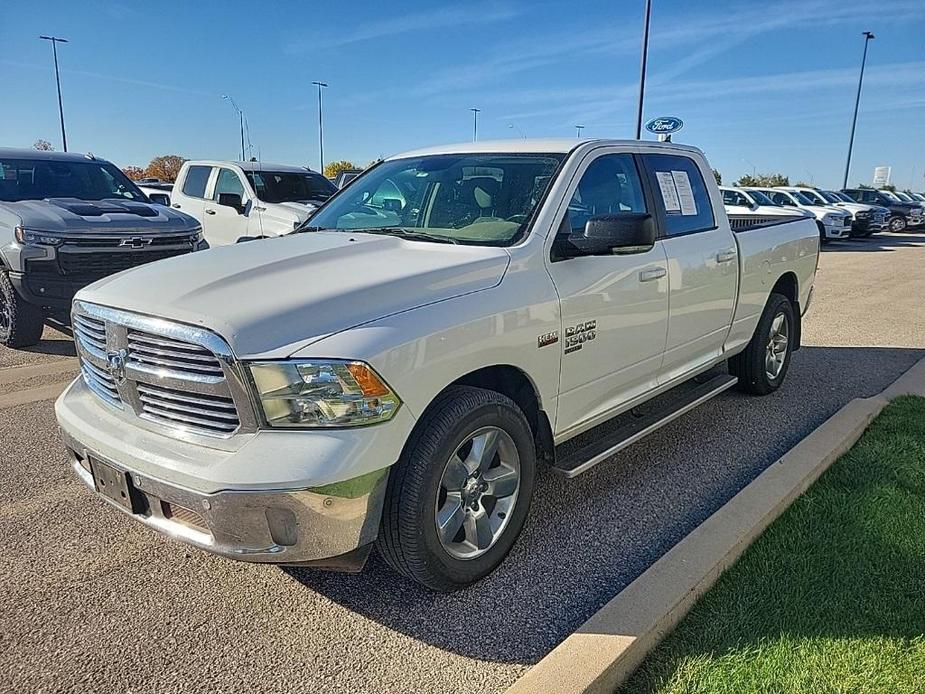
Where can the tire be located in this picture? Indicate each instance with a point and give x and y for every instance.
(897, 224)
(751, 366)
(417, 490)
(822, 237)
(21, 323)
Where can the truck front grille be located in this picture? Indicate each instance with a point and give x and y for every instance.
(183, 358)
(168, 375)
(102, 263)
(211, 414)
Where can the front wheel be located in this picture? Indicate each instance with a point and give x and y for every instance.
(761, 368)
(897, 224)
(21, 323)
(458, 497)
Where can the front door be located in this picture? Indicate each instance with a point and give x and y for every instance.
(614, 307)
(702, 265)
(225, 225)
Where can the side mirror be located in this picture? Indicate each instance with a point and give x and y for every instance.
(607, 234)
(232, 200)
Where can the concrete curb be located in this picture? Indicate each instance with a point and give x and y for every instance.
(606, 649)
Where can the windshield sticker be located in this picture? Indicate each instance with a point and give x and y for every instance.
(685, 193)
(669, 193)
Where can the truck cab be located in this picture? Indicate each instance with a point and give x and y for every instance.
(248, 199)
(392, 374)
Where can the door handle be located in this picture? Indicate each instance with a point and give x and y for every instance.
(210, 211)
(653, 273)
(177, 205)
(726, 256)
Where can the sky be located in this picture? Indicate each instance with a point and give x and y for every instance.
(766, 86)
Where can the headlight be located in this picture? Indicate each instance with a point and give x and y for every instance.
(830, 219)
(322, 393)
(861, 214)
(36, 238)
(196, 235)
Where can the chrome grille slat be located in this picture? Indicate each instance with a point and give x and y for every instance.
(169, 375)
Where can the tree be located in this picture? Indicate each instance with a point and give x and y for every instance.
(165, 167)
(133, 172)
(803, 184)
(43, 146)
(890, 187)
(718, 176)
(764, 180)
(335, 167)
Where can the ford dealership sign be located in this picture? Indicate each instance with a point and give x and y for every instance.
(664, 125)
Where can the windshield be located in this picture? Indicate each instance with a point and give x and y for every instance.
(37, 179)
(478, 199)
(761, 199)
(890, 194)
(904, 197)
(830, 197)
(842, 197)
(814, 197)
(290, 186)
(802, 199)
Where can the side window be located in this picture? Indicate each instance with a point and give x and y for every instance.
(196, 179)
(734, 197)
(679, 185)
(780, 199)
(610, 185)
(228, 182)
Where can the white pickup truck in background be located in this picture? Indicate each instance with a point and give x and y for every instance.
(393, 374)
(832, 222)
(248, 199)
(749, 207)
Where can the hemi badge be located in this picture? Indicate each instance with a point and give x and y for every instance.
(548, 339)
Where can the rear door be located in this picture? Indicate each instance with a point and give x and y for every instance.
(614, 307)
(702, 264)
(225, 225)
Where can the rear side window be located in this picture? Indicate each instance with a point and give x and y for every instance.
(196, 179)
(679, 186)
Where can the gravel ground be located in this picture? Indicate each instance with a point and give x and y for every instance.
(96, 602)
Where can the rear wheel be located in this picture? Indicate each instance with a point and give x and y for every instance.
(21, 323)
(761, 368)
(458, 497)
(897, 223)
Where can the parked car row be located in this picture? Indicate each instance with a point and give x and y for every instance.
(838, 214)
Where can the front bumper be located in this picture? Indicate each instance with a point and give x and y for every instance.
(837, 231)
(285, 523)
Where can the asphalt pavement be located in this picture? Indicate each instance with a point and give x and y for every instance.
(96, 602)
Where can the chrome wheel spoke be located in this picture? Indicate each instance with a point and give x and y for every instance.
(478, 529)
(484, 449)
(776, 351)
(450, 517)
(502, 481)
(455, 475)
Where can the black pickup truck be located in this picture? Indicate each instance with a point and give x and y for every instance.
(67, 220)
(902, 214)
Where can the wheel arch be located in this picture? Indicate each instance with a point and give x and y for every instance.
(789, 286)
(516, 384)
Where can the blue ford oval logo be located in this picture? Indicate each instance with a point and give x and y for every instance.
(663, 125)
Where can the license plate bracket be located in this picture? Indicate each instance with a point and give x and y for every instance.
(115, 485)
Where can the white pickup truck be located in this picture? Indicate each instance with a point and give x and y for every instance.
(248, 199)
(394, 373)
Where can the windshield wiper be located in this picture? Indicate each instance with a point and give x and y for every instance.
(406, 233)
(300, 229)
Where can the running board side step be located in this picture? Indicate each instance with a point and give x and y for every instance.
(690, 396)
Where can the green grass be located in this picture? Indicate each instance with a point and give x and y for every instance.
(831, 598)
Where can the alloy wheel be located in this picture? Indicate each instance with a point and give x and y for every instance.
(477, 493)
(776, 352)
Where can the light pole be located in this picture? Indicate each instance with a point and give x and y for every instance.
(54, 49)
(857, 101)
(475, 123)
(240, 120)
(578, 129)
(320, 85)
(642, 68)
(754, 168)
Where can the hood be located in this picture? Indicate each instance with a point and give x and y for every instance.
(820, 210)
(301, 210)
(65, 215)
(271, 297)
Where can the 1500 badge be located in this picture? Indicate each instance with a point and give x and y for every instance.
(576, 336)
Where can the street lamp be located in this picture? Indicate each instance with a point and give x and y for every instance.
(475, 123)
(578, 129)
(754, 168)
(857, 101)
(240, 120)
(642, 68)
(54, 49)
(320, 85)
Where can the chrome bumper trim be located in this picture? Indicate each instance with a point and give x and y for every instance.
(284, 526)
